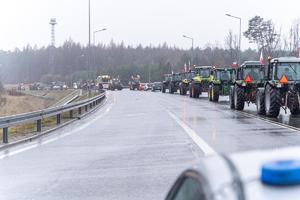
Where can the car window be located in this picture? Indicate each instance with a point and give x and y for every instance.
(190, 189)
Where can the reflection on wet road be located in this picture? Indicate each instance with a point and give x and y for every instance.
(134, 147)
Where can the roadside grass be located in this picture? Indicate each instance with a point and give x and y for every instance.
(29, 129)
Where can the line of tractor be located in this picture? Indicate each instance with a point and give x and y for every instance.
(270, 86)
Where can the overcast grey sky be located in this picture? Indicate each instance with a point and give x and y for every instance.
(135, 21)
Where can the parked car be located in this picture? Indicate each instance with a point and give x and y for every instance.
(156, 86)
(148, 86)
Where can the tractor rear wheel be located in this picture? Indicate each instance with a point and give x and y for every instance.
(239, 98)
(231, 97)
(260, 102)
(194, 91)
(209, 93)
(272, 101)
(294, 104)
(171, 89)
(184, 90)
(215, 93)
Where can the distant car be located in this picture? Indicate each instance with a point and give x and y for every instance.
(56, 87)
(156, 86)
(148, 86)
(142, 87)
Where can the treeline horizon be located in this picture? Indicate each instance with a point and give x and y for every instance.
(73, 62)
(70, 62)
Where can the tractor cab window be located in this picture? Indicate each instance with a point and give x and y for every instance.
(255, 72)
(290, 70)
(167, 78)
(204, 73)
(223, 75)
(183, 76)
(176, 77)
(190, 75)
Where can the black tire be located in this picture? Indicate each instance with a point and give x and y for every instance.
(209, 93)
(239, 98)
(184, 90)
(294, 104)
(272, 101)
(181, 89)
(163, 90)
(171, 88)
(215, 93)
(260, 102)
(231, 97)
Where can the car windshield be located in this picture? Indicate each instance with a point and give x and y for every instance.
(223, 75)
(255, 72)
(290, 70)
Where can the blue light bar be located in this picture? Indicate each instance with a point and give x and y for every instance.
(281, 172)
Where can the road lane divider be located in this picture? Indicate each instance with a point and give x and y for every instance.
(205, 148)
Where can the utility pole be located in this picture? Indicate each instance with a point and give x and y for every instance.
(89, 45)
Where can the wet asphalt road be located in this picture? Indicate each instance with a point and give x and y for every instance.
(132, 148)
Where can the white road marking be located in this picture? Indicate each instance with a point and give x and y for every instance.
(207, 150)
(7, 154)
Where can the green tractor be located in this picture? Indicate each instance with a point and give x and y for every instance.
(281, 87)
(186, 78)
(171, 83)
(200, 82)
(249, 76)
(220, 83)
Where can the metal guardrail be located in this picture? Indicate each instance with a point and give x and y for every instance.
(6, 122)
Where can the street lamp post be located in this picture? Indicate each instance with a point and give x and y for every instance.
(89, 44)
(94, 37)
(192, 39)
(240, 35)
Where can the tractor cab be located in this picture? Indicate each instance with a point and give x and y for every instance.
(223, 74)
(284, 70)
(176, 77)
(220, 83)
(249, 77)
(281, 88)
(203, 71)
(186, 78)
(250, 72)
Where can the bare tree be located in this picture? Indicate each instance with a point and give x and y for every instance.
(264, 34)
(231, 44)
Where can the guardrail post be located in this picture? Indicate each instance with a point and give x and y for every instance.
(39, 125)
(94, 103)
(79, 111)
(71, 114)
(91, 105)
(58, 119)
(86, 108)
(5, 135)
